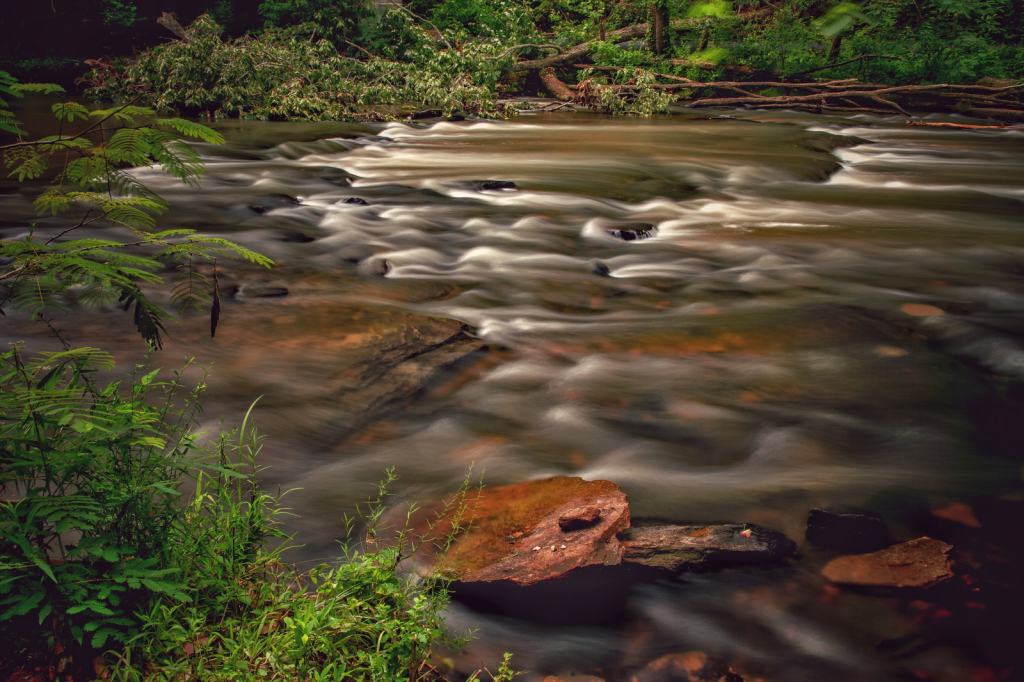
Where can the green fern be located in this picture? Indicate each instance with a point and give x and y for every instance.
(96, 184)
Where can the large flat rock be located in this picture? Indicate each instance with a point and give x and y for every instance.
(539, 530)
(689, 548)
(918, 563)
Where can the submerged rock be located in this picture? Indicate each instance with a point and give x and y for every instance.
(357, 201)
(693, 665)
(262, 291)
(918, 563)
(677, 548)
(846, 533)
(497, 184)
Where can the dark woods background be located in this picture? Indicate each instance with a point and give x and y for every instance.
(50, 39)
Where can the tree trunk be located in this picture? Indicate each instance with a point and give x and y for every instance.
(555, 86)
(659, 20)
(833, 54)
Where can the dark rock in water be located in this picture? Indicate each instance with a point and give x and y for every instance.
(336, 175)
(497, 184)
(693, 666)
(456, 117)
(269, 203)
(645, 189)
(297, 238)
(426, 113)
(632, 231)
(580, 517)
(599, 268)
(379, 267)
(263, 291)
(846, 533)
(687, 548)
(356, 200)
(918, 563)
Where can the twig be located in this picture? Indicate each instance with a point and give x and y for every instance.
(416, 16)
(955, 125)
(364, 51)
(512, 49)
(848, 61)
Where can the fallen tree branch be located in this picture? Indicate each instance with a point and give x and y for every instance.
(519, 47)
(848, 61)
(792, 99)
(556, 87)
(954, 125)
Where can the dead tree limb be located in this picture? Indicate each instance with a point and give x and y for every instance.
(170, 22)
(556, 87)
(954, 125)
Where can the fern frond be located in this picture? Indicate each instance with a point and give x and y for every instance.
(26, 162)
(38, 293)
(52, 200)
(67, 111)
(148, 317)
(125, 113)
(45, 88)
(190, 129)
(181, 161)
(189, 290)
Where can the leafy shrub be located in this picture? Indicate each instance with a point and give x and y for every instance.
(281, 74)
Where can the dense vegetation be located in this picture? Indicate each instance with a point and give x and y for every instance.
(331, 59)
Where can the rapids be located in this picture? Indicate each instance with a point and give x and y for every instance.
(828, 314)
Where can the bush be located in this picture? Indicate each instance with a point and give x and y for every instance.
(120, 532)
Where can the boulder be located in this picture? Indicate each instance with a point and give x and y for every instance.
(918, 563)
(689, 548)
(535, 531)
(846, 533)
(693, 665)
(356, 200)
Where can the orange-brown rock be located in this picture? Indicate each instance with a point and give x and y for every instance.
(693, 665)
(918, 563)
(516, 534)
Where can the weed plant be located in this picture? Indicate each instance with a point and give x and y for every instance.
(130, 545)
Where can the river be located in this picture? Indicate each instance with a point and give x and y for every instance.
(827, 312)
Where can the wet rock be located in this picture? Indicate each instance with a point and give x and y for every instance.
(357, 201)
(426, 113)
(918, 563)
(377, 267)
(497, 184)
(456, 117)
(336, 175)
(297, 238)
(599, 268)
(687, 548)
(692, 666)
(846, 533)
(580, 517)
(632, 231)
(268, 203)
(263, 291)
(517, 534)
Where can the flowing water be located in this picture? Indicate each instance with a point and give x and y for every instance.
(828, 313)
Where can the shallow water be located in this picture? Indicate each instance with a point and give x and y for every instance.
(829, 314)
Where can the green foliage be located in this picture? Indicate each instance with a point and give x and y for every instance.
(121, 531)
(282, 75)
(90, 518)
(94, 181)
(332, 19)
(840, 18)
(718, 9)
